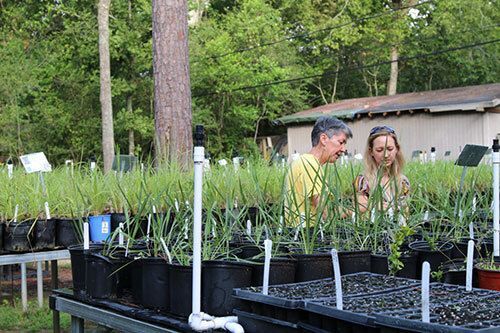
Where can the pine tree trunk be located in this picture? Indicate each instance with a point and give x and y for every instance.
(108, 144)
(131, 139)
(172, 92)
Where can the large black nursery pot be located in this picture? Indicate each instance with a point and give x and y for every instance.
(66, 232)
(354, 261)
(313, 266)
(219, 278)
(409, 270)
(454, 272)
(100, 277)
(45, 234)
(123, 266)
(155, 284)
(78, 266)
(18, 236)
(245, 250)
(379, 264)
(281, 271)
(180, 289)
(136, 285)
(435, 257)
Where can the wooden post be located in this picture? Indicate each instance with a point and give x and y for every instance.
(39, 283)
(24, 287)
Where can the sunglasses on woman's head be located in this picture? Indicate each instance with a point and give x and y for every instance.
(378, 129)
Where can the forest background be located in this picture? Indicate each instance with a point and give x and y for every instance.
(251, 61)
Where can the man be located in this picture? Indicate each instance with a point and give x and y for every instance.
(305, 180)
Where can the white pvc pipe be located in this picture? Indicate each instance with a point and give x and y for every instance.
(496, 203)
(426, 270)
(47, 210)
(338, 280)
(120, 234)
(268, 245)
(470, 260)
(10, 170)
(86, 238)
(199, 156)
(24, 287)
(471, 230)
(249, 228)
(39, 283)
(203, 322)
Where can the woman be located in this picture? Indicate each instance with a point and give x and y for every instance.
(383, 180)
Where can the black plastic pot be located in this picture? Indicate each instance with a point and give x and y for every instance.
(66, 232)
(123, 272)
(313, 266)
(100, 280)
(180, 289)
(354, 261)
(459, 250)
(379, 264)
(246, 249)
(219, 278)
(116, 219)
(18, 236)
(281, 271)
(136, 285)
(454, 272)
(155, 284)
(45, 234)
(409, 269)
(434, 257)
(77, 255)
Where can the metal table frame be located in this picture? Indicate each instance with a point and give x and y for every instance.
(38, 257)
(80, 311)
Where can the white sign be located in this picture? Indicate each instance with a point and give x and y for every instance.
(36, 162)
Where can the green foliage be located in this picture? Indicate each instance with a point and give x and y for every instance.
(35, 320)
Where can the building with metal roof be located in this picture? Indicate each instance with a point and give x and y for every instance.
(445, 119)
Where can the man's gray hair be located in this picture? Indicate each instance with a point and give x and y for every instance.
(330, 126)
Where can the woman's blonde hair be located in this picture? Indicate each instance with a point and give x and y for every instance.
(371, 169)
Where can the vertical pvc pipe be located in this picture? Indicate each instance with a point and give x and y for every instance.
(120, 234)
(268, 245)
(496, 199)
(39, 283)
(86, 238)
(24, 288)
(199, 157)
(338, 280)
(470, 260)
(47, 210)
(426, 270)
(471, 230)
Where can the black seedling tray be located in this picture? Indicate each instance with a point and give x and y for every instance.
(253, 323)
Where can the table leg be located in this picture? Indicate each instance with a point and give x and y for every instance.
(54, 285)
(39, 283)
(24, 287)
(76, 325)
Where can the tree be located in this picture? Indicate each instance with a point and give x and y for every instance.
(172, 90)
(108, 143)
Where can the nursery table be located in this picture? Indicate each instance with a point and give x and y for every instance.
(38, 257)
(113, 315)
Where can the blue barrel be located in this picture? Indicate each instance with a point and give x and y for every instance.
(100, 227)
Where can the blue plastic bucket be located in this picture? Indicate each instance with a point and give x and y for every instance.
(100, 227)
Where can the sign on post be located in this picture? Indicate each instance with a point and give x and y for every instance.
(36, 162)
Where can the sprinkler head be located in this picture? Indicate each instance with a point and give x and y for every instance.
(199, 135)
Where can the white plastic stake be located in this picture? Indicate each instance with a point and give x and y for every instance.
(268, 245)
(47, 210)
(10, 170)
(474, 204)
(176, 203)
(470, 260)
(426, 270)
(148, 227)
(280, 228)
(471, 230)
(426, 215)
(86, 238)
(372, 216)
(322, 236)
(186, 229)
(167, 252)
(154, 209)
(338, 281)
(142, 167)
(92, 166)
(214, 227)
(16, 211)
(236, 163)
(353, 217)
(120, 234)
(249, 228)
